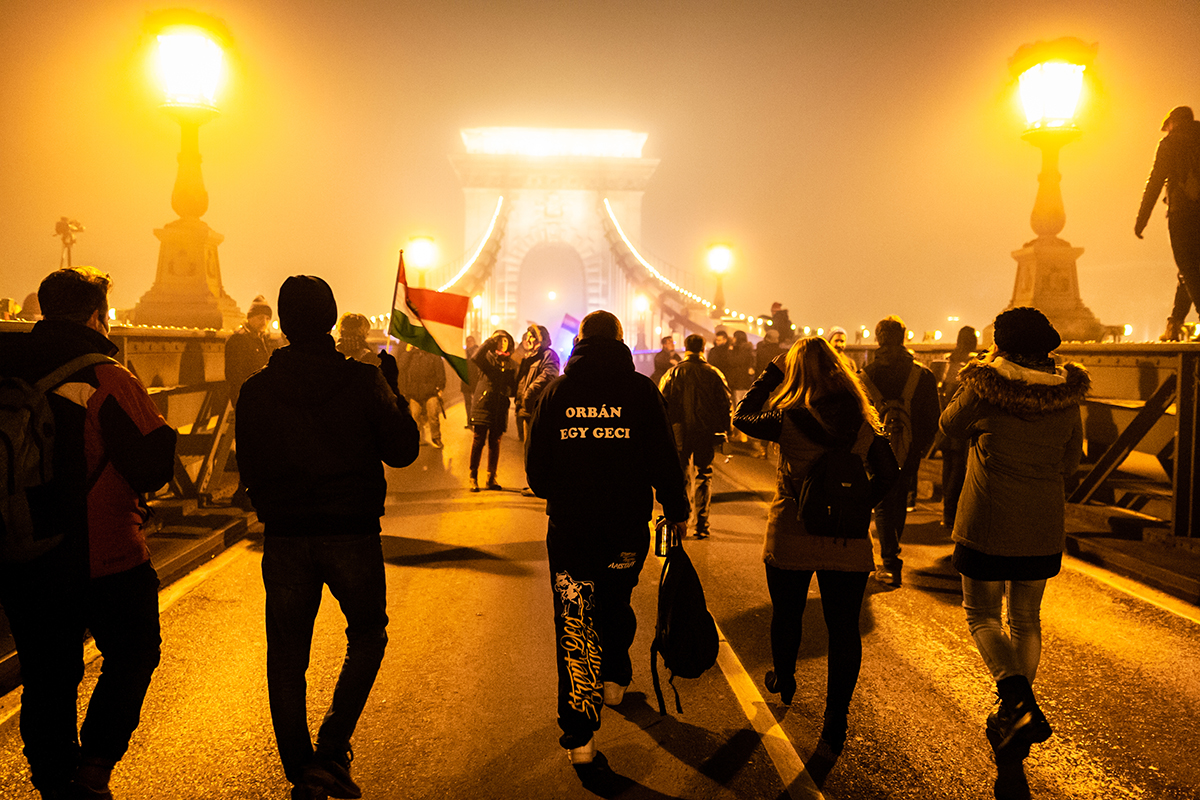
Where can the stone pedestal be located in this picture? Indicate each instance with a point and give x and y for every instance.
(1047, 280)
(187, 290)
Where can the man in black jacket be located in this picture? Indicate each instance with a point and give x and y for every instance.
(599, 449)
(1177, 164)
(87, 565)
(698, 407)
(887, 379)
(313, 427)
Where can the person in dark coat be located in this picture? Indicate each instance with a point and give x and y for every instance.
(86, 565)
(886, 376)
(809, 402)
(1177, 164)
(954, 451)
(664, 359)
(468, 387)
(720, 355)
(1022, 417)
(313, 427)
(698, 407)
(425, 380)
(537, 369)
(248, 348)
(600, 451)
(489, 406)
(352, 338)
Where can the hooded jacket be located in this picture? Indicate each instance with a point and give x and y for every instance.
(1178, 153)
(534, 375)
(599, 447)
(804, 435)
(312, 428)
(110, 444)
(497, 383)
(1026, 434)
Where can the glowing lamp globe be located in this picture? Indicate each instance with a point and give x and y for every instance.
(720, 259)
(190, 65)
(422, 252)
(1050, 93)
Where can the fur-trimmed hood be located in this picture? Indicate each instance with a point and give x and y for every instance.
(1026, 392)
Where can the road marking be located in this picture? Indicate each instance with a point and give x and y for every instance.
(10, 704)
(1146, 594)
(796, 780)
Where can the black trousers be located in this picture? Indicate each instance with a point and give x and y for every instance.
(1184, 227)
(841, 603)
(594, 567)
(50, 602)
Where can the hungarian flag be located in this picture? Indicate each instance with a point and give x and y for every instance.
(432, 321)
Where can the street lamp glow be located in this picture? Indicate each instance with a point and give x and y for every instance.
(552, 295)
(641, 304)
(190, 65)
(1050, 93)
(422, 252)
(720, 258)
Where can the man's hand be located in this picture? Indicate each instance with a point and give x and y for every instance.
(390, 370)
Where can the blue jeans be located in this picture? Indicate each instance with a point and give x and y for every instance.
(1016, 652)
(295, 568)
(49, 603)
(699, 453)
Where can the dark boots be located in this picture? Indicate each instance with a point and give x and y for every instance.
(1018, 722)
(1174, 331)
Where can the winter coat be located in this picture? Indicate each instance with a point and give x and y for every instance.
(533, 376)
(246, 352)
(764, 353)
(497, 383)
(741, 367)
(804, 434)
(889, 370)
(663, 361)
(110, 445)
(312, 429)
(425, 375)
(698, 401)
(721, 357)
(1026, 436)
(599, 447)
(1178, 151)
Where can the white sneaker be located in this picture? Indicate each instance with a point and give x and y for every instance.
(614, 693)
(584, 754)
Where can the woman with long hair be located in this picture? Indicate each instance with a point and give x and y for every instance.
(489, 407)
(811, 403)
(1021, 414)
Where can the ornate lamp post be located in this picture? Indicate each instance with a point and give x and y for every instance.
(720, 259)
(187, 288)
(1050, 76)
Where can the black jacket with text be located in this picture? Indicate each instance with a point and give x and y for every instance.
(599, 446)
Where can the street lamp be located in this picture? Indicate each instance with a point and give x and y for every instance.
(1050, 77)
(187, 289)
(422, 253)
(720, 259)
(641, 305)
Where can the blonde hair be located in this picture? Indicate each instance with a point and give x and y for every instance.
(812, 369)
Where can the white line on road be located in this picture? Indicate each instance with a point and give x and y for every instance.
(779, 747)
(1146, 594)
(10, 703)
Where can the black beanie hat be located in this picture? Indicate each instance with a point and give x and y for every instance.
(306, 307)
(259, 306)
(1025, 331)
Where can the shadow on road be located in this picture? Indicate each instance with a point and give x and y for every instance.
(404, 552)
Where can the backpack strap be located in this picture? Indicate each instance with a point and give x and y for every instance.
(70, 368)
(872, 390)
(910, 386)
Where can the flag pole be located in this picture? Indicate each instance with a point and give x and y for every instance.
(395, 292)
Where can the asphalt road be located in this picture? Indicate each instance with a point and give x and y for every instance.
(464, 704)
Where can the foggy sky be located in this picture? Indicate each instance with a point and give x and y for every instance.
(863, 158)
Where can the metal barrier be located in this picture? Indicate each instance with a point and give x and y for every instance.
(205, 438)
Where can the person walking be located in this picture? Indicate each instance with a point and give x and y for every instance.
(352, 338)
(246, 352)
(741, 367)
(92, 571)
(313, 427)
(810, 402)
(954, 450)
(489, 407)
(599, 452)
(895, 378)
(425, 375)
(1177, 164)
(720, 355)
(698, 407)
(468, 386)
(1021, 414)
(664, 359)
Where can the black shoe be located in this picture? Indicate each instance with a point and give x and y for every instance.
(700, 534)
(888, 576)
(333, 773)
(492, 484)
(1013, 727)
(784, 687)
(833, 732)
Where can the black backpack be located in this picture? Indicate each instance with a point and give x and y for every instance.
(685, 633)
(27, 456)
(834, 499)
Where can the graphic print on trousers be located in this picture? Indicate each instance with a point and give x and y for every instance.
(581, 644)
